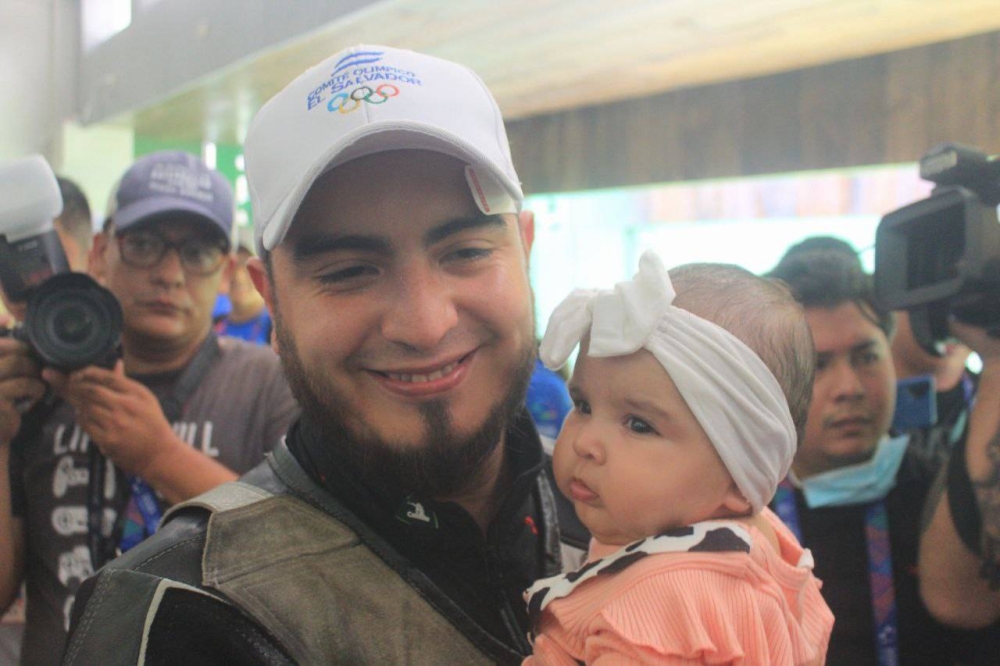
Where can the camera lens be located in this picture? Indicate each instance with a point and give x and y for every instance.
(73, 322)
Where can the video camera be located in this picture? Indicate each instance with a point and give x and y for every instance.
(940, 257)
(71, 321)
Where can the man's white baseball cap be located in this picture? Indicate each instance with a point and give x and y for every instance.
(365, 100)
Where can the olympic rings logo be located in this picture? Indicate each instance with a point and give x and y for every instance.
(349, 103)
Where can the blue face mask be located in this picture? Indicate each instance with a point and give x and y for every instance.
(856, 484)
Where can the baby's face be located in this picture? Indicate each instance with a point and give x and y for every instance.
(631, 455)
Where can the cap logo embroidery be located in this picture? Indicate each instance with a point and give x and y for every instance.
(356, 71)
(181, 180)
(349, 103)
(356, 60)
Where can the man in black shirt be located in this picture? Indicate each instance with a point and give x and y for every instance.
(856, 494)
(407, 510)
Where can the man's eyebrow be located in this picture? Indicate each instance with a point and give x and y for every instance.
(863, 346)
(452, 227)
(314, 244)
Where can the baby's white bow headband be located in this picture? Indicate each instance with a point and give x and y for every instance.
(734, 396)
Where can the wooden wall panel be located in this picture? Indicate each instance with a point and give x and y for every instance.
(908, 95)
(649, 139)
(712, 136)
(774, 131)
(842, 114)
(876, 110)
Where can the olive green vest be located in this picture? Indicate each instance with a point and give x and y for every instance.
(310, 581)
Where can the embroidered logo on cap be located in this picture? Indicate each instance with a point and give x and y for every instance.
(349, 103)
(360, 78)
(181, 180)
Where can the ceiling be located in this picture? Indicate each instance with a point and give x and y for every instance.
(541, 56)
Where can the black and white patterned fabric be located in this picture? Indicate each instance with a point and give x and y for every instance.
(705, 537)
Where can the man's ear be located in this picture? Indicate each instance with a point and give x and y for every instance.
(526, 225)
(98, 256)
(258, 275)
(227, 273)
(72, 250)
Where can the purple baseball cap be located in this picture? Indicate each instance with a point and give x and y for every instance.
(173, 182)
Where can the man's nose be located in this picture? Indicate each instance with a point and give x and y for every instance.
(846, 383)
(422, 310)
(170, 270)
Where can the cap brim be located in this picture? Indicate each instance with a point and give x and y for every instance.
(152, 209)
(377, 138)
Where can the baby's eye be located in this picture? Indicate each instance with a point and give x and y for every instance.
(637, 425)
(581, 406)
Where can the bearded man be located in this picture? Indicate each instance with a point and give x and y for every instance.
(408, 508)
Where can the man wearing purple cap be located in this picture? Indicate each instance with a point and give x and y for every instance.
(406, 510)
(180, 413)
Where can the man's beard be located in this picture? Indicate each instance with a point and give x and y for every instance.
(447, 465)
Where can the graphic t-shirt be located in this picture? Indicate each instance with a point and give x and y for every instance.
(239, 411)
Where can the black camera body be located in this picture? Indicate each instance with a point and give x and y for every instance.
(940, 257)
(71, 320)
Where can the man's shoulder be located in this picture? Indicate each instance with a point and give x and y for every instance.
(246, 365)
(174, 552)
(238, 350)
(151, 602)
(160, 582)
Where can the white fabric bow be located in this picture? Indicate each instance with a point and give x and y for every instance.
(737, 401)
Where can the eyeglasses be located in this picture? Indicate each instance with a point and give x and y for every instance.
(145, 249)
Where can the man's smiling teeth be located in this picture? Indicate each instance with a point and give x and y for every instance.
(419, 379)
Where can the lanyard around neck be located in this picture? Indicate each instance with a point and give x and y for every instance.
(103, 549)
(881, 586)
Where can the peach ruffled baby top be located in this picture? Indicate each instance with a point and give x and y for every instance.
(725, 597)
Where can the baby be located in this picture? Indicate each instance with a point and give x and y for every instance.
(686, 411)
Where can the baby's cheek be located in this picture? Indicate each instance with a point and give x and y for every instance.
(562, 464)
